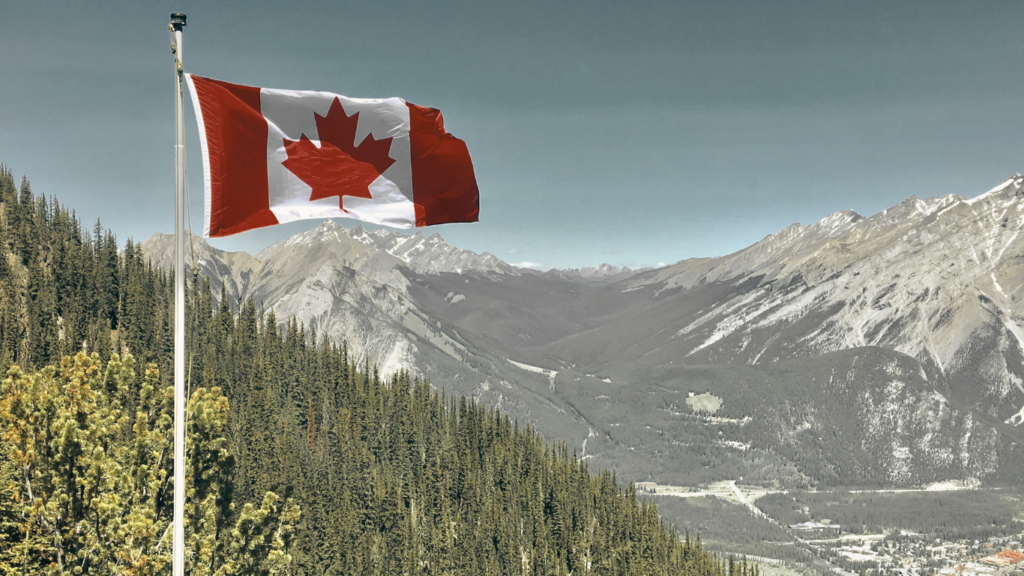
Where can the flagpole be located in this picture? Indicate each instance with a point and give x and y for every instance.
(178, 565)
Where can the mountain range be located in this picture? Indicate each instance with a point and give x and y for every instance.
(856, 351)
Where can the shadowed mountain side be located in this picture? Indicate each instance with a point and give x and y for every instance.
(862, 417)
(936, 279)
(522, 316)
(313, 282)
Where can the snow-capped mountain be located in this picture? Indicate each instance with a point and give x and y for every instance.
(320, 290)
(345, 283)
(602, 274)
(373, 252)
(938, 279)
(600, 356)
(353, 285)
(377, 255)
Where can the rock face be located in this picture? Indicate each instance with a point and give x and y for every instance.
(344, 283)
(886, 349)
(939, 280)
(377, 255)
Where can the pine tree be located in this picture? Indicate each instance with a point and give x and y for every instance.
(94, 488)
(393, 475)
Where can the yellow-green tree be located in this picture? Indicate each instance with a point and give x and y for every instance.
(87, 478)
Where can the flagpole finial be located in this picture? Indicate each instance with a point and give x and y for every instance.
(178, 20)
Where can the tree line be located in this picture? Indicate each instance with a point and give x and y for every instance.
(342, 470)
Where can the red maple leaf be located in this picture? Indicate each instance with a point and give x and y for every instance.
(338, 167)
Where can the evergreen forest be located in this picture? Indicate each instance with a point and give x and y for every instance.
(301, 459)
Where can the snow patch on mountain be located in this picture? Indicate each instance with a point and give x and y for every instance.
(1013, 180)
(381, 251)
(549, 373)
(937, 279)
(343, 284)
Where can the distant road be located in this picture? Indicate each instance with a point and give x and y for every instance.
(746, 496)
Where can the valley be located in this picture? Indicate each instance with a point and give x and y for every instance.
(853, 356)
(939, 529)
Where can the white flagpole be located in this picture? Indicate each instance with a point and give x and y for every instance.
(177, 23)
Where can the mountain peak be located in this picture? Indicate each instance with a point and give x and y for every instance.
(912, 209)
(601, 274)
(836, 221)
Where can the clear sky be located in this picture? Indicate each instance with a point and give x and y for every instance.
(630, 132)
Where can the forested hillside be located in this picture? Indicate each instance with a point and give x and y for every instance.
(391, 475)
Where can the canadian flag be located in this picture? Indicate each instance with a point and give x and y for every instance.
(274, 156)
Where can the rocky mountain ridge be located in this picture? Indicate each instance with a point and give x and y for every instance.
(602, 274)
(932, 282)
(348, 284)
(933, 279)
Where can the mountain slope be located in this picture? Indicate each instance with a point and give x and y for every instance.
(859, 417)
(343, 284)
(936, 279)
(933, 283)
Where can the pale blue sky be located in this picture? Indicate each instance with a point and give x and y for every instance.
(624, 132)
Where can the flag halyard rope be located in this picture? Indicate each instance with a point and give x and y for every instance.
(188, 214)
(174, 50)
